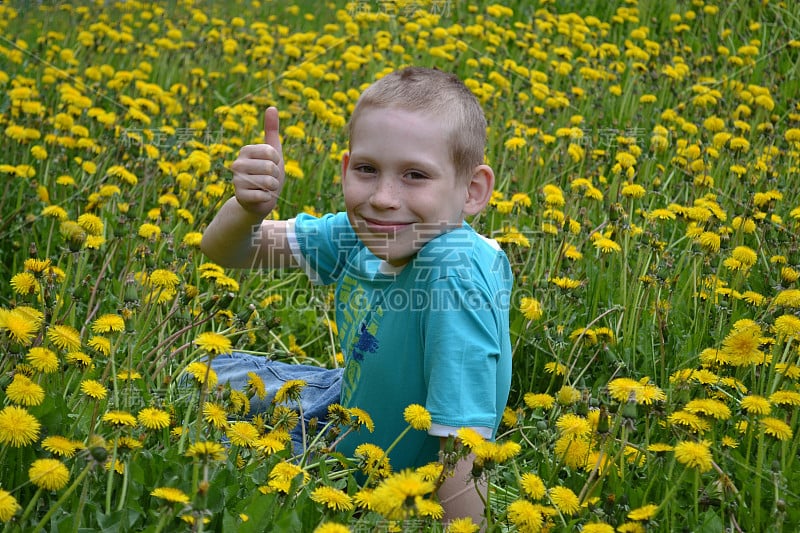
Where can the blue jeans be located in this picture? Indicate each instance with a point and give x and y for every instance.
(322, 388)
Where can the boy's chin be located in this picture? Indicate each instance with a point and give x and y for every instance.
(394, 258)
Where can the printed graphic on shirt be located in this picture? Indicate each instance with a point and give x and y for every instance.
(360, 319)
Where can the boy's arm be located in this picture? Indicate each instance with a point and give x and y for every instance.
(238, 236)
(459, 494)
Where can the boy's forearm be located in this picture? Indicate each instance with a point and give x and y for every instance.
(230, 240)
(461, 496)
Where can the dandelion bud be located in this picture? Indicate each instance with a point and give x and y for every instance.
(541, 425)
(602, 421)
(780, 505)
(210, 303)
(203, 487)
(245, 314)
(99, 453)
(582, 409)
(120, 228)
(629, 409)
(75, 240)
(776, 466)
(225, 300)
(450, 445)
(131, 295)
(477, 469)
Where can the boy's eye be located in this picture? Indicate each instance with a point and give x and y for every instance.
(366, 169)
(416, 175)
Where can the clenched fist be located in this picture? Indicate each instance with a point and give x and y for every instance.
(258, 172)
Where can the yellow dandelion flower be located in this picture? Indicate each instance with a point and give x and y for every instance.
(597, 527)
(533, 486)
(331, 527)
(163, 279)
(396, 496)
(281, 476)
(100, 344)
(20, 326)
(213, 343)
(23, 391)
(689, 420)
(785, 397)
(526, 516)
(531, 308)
(149, 231)
(93, 389)
(8, 506)
(92, 224)
(119, 418)
(776, 428)
(25, 283)
(643, 513)
(568, 395)
(373, 460)
(565, 283)
(787, 298)
(80, 360)
(206, 451)
(417, 417)
(332, 498)
(565, 500)
(256, 385)
(709, 407)
(170, 494)
(755, 404)
(538, 400)
(242, 434)
(694, 455)
(202, 373)
(152, 418)
(554, 367)
(61, 446)
(108, 323)
(64, 337)
(48, 474)
(274, 442)
(215, 415)
(18, 427)
(573, 425)
(289, 391)
(573, 451)
(463, 525)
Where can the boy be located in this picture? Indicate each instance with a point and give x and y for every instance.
(421, 299)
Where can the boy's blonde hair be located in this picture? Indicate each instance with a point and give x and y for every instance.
(445, 97)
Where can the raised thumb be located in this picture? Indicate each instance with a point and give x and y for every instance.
(271, 136)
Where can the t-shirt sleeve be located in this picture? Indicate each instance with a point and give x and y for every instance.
(322, 245)
(462, 345)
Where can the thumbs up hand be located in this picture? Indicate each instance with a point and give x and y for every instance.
(258, 172)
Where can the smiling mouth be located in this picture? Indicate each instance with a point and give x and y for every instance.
(384, 226)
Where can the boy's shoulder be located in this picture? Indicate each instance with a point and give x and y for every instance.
(460, 253)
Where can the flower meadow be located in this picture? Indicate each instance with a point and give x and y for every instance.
(647, 159)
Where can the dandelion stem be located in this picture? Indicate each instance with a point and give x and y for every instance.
(62, 499)
(756, 526)
(31, 504)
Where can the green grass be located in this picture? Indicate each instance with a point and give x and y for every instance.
(669, 308)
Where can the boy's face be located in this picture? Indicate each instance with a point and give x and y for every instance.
(400, 184)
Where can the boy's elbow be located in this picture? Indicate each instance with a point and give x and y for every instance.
(211, 250)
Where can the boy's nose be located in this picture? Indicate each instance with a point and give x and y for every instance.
(385, 194)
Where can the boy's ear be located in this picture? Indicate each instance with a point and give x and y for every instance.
(479, 190)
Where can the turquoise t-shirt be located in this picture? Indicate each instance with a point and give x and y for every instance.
(433, 332)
